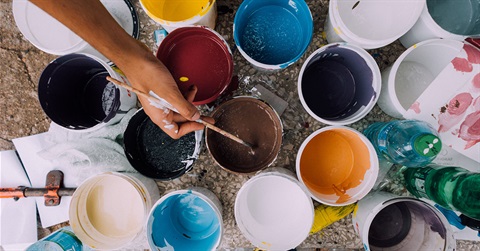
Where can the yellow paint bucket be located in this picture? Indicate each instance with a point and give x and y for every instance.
(173, 14)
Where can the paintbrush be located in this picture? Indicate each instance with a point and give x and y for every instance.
(167, 105)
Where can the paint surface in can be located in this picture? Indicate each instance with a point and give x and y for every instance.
(176, 10)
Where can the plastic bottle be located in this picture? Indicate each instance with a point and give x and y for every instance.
(451, 187)
(61, 240)
(411, 143)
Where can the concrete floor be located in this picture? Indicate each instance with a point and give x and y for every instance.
(22, 115)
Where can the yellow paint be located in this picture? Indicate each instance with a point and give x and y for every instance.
(326, 215)
(177, 10)
(337, 30)
(324, 35)
(183, 79)
(415, 46)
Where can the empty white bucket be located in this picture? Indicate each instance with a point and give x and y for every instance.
(273, 210)
(370, 23)
(413, 72)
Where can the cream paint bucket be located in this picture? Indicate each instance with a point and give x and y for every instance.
(370, 23)
(388, 222)
(172, 14)
(186, 220)
(454, 19)
(413, 72)
(109, 210)
(273, 210)
(338, 165)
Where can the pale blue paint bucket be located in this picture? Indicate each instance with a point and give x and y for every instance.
(185, 220)
(272, 34)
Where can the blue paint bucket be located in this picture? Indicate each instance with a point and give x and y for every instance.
(185, 220)
(272, 34)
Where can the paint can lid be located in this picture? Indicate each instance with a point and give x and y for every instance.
(427, 145)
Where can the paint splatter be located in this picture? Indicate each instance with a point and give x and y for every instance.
(476, 82)
(355, 5)
(462, 65)
(470, 129)
(452, 113)
(183, 79)
(476, 104)
(473, 54)
(416, 107)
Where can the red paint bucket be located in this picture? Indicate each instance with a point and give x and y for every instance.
(200, 56)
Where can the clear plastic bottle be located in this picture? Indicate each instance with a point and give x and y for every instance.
(411, 143)
(61, 240)
(451, 187)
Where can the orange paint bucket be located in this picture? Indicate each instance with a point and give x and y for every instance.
(338, 165)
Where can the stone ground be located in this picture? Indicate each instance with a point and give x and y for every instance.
(21, 114)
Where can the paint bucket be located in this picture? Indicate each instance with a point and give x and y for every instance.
(338, 165)
(155, 154)
(339, 84)
(109, 210)
(198, 55)
(74, 93)
(273, 210)
(388, 222)
(253, 121)
(186, 220)
(272, 34)
(172, 14)
(457, 19)
(51, 36)
(370, 23)
(413, 72)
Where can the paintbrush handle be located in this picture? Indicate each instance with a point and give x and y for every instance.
(222, 132)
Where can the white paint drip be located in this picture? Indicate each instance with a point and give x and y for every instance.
(196, 151)
(168, 247)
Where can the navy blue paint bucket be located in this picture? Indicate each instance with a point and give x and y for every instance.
(272, 34)
(75, 94)
(339, 84)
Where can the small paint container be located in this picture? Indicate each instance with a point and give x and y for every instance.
(186, 220)
(412, 73)
(273, 34)
(385, 221)
(339, 84)
(338, 165)
(370, 24)
(109, 210)
(198, 56)
(445, 19)
(75, 94)
(51, 36)
(172, 14)
(253, 121)
(155, 154)
(273, 210)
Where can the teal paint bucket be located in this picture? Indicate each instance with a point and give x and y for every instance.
(272, 34)
(186, 220)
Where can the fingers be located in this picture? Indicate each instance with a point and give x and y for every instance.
(184, 105)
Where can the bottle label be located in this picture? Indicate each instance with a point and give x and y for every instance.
(382, 138)
(66, 240)
(418, 181)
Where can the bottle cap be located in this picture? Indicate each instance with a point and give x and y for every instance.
(428, 145)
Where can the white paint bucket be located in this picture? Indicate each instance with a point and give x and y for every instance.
(186, 220)
(388, 222)
(350, 79)
(338, 165)
(51, 36)
(109, 210)
(453, 19)
(172, 14)
(370, 23)
(273, 210)
(413, 72)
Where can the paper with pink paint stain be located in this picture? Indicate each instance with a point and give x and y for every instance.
(452, 103)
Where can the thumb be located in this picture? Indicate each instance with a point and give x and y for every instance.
(185, 108)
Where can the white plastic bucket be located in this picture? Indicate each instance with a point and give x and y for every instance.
(412, 73)
(109, 210)
(186, 220)
(370, 23)
(453, 19)
(388, 222)
(172, 14)
(338, 165)
(51, 36)
(273, 210)
(350, 69)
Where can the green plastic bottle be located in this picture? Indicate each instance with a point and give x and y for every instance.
(451, 187)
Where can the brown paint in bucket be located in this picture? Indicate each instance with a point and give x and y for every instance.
(198, 56)
(253, 121)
